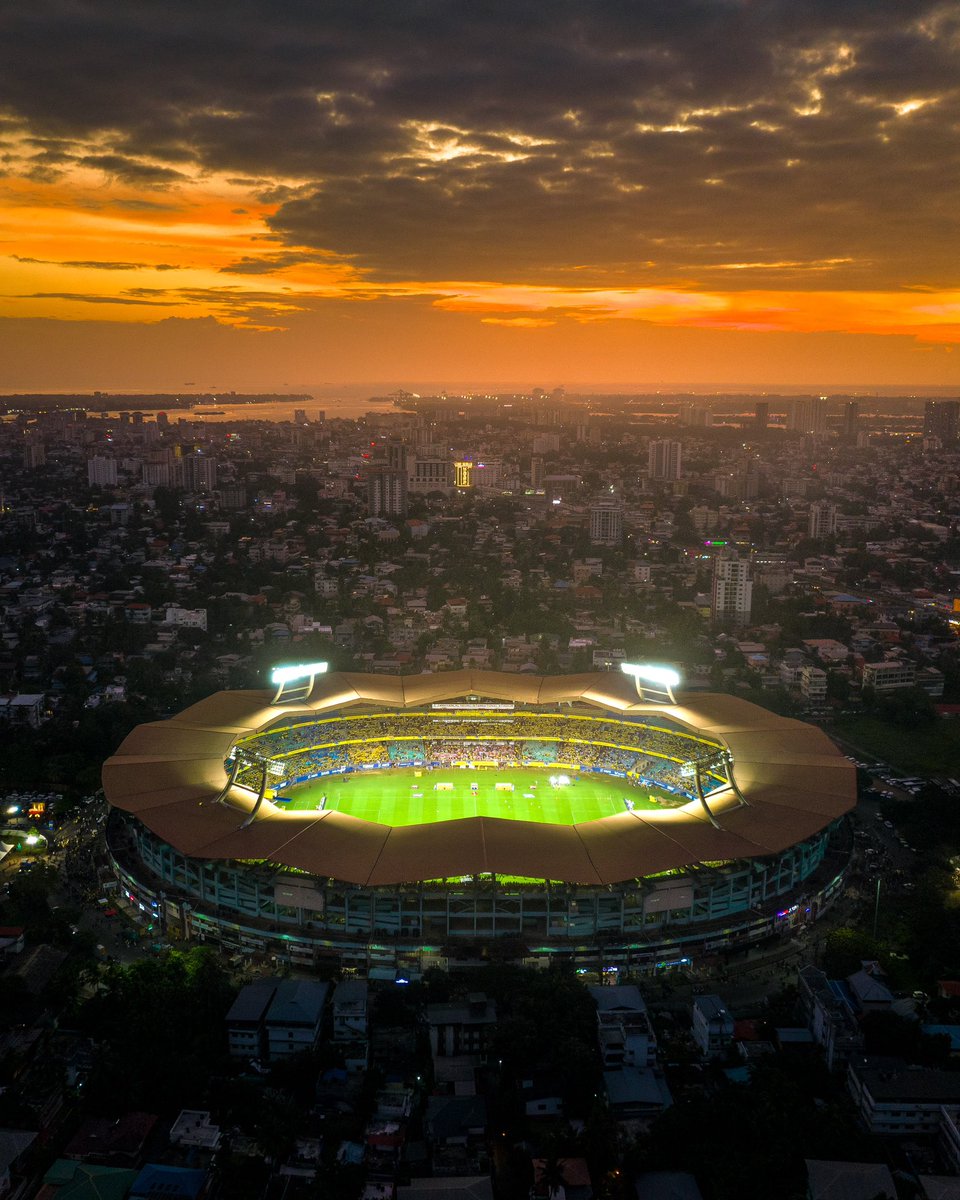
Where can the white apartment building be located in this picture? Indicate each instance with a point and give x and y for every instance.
(187, 618)
(732, 596)
(664, 460)
(813, 684)
(606, 523)
(888, 676)
(101, 471)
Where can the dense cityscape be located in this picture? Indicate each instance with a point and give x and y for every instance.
(799, 553)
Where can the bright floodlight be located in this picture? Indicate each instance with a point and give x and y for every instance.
(302, 674)
(663, 679)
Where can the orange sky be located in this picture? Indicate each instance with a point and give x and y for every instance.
(337, 206)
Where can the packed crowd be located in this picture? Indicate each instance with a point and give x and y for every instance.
(541, 728)
(445, 752)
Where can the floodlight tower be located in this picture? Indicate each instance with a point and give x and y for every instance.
(653, 683)
(301, 674)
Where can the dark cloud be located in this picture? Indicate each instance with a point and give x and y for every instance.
(649, 141)
(132, 171)
(97, 265)
(89, 298)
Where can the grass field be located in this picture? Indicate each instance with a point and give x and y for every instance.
(402, 796)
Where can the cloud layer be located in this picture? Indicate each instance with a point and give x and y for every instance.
(709, 147)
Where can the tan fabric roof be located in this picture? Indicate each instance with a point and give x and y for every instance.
(168, 773)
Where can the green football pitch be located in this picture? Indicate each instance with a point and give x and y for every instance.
(408, 796)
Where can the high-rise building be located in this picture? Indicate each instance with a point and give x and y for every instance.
(807, 414)
(546, 443)
(695, 414)
(396, 453)
(430, 474)
(822, 520)
(34, 455)
(606, 523)
(101, 471)
(851, 419)
(664, 460)
(197, 472)
(761, 414)
(941, 419)
(536, 473)
(732, 596)
(387, 492)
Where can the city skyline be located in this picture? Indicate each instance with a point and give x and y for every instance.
(713, 194)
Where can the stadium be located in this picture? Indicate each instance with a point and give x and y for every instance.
(388, 824)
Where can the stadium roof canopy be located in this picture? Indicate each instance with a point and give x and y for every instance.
(170, 773)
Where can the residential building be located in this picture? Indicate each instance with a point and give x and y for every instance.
(196, 473)
(294, 1018)
(636, 1092)
(461, 1027)
(624, 1030)
(187, 618)
(896, 1099)
(889, 676)
(664, 460)
(851, 419)
(822, 521)
(732, 591)
(387, 492)
(430, 475)
(829, 1018)
(102, 471)
(246, 1034)
(606, 523)
(350, 1010)
(712, 1025)
(807, 414)
(848, 1180)
(941, 419)
(813, 684)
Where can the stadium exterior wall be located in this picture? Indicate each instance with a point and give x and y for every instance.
(406, 929)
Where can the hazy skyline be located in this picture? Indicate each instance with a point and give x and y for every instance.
(260, 196)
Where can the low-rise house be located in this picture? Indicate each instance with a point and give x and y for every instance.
(829, 1017)
(67, 1179)
(636, 1092)
(246, 1031)
(172, 1183)
(712, 1025)
(14, 1147)
(194, 1128)
(295, 1016)
(350, 1010)
(848, 1180)
(461, 1027)
(624, 1030)
(112, 1142)
(896, 1099)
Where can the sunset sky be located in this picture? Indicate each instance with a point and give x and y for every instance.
(762, 193)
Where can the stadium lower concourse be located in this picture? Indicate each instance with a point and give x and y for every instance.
(390, 824)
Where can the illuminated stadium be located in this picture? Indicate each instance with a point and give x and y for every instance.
(388, 823)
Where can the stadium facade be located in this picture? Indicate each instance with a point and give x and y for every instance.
(749, 842)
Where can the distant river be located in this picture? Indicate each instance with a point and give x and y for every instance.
(270, 410)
